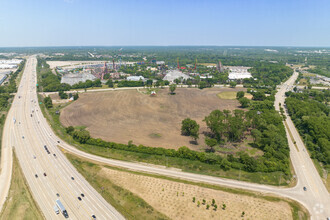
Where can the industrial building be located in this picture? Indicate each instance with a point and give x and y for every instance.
(74, 78)
(175, 74)
(238, 72)
(135, 78)
(9, 64)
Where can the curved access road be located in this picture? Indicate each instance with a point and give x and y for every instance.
(316, 199)
(49, 174)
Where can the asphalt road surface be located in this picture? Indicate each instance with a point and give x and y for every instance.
(48, 174)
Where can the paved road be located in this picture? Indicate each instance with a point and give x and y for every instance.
(315, 199)
(55, 174)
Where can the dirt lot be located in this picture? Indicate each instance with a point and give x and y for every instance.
(121, 116)
(176, 199)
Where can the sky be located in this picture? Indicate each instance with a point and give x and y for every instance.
(25, 23)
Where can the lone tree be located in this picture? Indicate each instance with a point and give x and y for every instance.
(213, 202)
(239, 95)
(190, 128)
(243, 213)
(232, 84)
(172, 88)
(211, 142)
(223, 206)
(48, 102)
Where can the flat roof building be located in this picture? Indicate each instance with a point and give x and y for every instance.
(175, 74)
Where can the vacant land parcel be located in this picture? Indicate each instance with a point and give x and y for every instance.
(120, 116)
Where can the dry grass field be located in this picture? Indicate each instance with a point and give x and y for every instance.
(120, 116)
(175, 199)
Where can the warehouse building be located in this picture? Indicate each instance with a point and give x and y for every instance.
(74, 78)
(135, 78)
(175, 74)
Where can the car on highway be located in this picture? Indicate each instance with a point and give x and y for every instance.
(305, 189)
(23, 137)
(79, 198)
(82, 195)
(93, 216)
(72, 178)
(54, 155)
(34, 157)
(36, 176)
(57, 194)
(58, 141)
(45, 174)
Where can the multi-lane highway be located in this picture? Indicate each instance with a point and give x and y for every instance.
(38, 133)
(49, 174)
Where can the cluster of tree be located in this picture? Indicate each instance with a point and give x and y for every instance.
(245, 102)
(125, 83)
(265, 127)
(310, 113)
(190, 128)
(48, 102)
(62, 95)
(267, 75)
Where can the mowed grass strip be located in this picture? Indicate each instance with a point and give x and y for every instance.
(20, 203)
(128, 204)
(231, 95)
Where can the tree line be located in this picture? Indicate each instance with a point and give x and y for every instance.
(310, 113)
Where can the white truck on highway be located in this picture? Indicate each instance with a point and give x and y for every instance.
(62, 209)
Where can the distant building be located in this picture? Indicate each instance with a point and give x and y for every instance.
(160, 62)
(238, 72)
(74, 78)
(175, 74)
(135, 78)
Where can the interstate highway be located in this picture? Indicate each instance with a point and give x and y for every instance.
(25, 133)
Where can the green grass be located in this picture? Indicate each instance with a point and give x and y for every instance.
(20, 203)
(274, 178)
(155, 135)
(124, 201)
(227, 95)
(298, 211)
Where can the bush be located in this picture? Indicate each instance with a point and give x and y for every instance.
(48, 102)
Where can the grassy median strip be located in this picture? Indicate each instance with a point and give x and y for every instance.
(20, 203)
(90, 170)
(128, 204)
